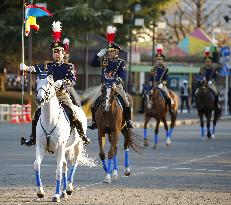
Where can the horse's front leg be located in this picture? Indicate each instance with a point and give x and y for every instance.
(39, 156)
(146, 120)
(102, 142)
(209, 115)
(60, 161)
(64, 193)
(202, 125)
(113, 139)
(156, 134)
(115, 168)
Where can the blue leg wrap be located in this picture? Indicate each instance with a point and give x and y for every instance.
(202, 131)
(57, 187)
(71, 176)
(145, 133)
(64, 181)
(167, 134)
(126, 161)
(170, 132)
(214, 129)
(115, 162)
(109, 166)
(38, 178)
(208, 129)
(104, 165)
(156, 139)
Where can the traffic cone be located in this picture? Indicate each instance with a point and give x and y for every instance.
(28, 112)
(14, 114)
(23, 114)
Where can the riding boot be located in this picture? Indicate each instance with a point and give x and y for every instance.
(168, 102)
(77, 124)
(92, 124)
(128, 117)
(32, 137)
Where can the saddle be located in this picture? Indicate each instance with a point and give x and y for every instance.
(118, 98)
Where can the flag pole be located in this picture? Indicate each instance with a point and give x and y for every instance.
(23, 60)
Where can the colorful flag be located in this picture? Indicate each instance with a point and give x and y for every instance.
(33, 11)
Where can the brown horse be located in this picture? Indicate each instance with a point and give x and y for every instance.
(157, 108)
(110, 120)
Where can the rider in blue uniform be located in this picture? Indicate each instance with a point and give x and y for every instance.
(112, 67)
(159, 75)
(64, 78)
(208, 74)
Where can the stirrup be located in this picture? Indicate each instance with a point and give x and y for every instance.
(29, 142)
(92, 125)
(86, 140)
(130, 124)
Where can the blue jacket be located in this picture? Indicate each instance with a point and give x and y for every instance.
(59, 71)
(159, 74)
(209, 73)
(111, 68)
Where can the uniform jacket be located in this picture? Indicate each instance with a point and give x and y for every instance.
(159, 74)
(208, 72)
(111, 68)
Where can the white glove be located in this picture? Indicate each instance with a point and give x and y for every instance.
(160, 86)
(210, 82)
(23, 67)
(58, 83)
(102, 52)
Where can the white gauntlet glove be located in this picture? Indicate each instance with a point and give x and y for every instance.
(160, 86)
(58, 83)
(23, 67)
(102, 52)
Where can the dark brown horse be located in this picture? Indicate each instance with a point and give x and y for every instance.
(110, 120)
(156, 108)
(206, 104)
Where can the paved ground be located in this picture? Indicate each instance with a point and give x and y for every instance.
(191, 171)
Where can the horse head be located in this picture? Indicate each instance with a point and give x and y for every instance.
(45, 89)
(108, 95)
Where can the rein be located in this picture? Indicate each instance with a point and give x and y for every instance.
(49, 134)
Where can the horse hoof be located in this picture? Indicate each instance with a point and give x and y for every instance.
(209, 135)
(69, 189)
(56, 198)
(155, 146)
(127, 171)
(40, 195)
(213, 137)
(107, 179)
(168, 142)
(114, 175)
(64, 195)
(145, 143)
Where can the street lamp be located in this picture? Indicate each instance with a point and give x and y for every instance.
(136, 21)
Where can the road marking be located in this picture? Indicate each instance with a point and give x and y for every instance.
(200, 169)
(182, 168)
(215, 170)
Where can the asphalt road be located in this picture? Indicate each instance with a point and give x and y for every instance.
(189, 164)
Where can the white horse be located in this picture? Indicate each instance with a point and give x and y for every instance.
(54, 135)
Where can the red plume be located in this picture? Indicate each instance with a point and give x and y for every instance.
(207, 51)
(111, 34)
(159, 49)
(56, 31)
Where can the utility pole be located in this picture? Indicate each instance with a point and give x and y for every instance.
(30, 60)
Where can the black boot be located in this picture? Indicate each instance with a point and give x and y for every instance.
(169, 104)
(93, 124)
(32, 137)
(128, 117)
(77, 124)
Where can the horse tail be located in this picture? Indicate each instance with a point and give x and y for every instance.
(133, 140)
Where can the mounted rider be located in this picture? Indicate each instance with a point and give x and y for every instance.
(208, 75)
(113, 67)
(159, 75)
(64, 78)
(74, 95)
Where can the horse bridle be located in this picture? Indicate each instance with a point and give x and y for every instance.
(47, 91)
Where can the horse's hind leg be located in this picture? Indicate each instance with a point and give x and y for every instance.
(216, 116)
(39, 156)
(156, 134)
(60, 160)
(127, 136)
(102, 142)
(168, 139)
(173, 120)
(146, 120)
